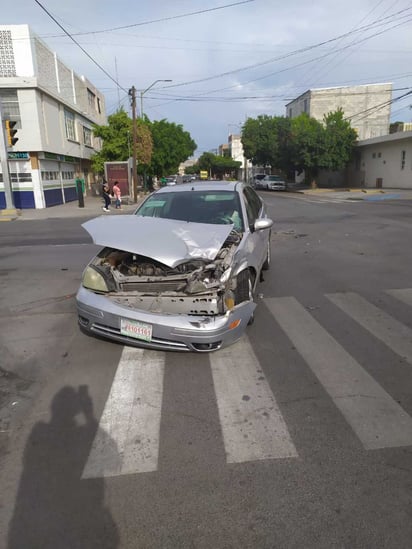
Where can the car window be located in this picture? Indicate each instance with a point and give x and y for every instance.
(253, 204)
(216, 207)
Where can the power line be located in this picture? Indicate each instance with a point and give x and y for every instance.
(376, 23)
(161, 19)
(83, 50)
(376, 108)
(300, 64)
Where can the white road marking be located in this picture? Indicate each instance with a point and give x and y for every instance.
(403, 295)
(128, 438)
(393, 333)
(376, 418)
(252, 425)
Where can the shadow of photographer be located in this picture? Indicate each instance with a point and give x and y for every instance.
(55, 507)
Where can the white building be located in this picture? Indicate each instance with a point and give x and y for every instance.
(236, 153)
(382, 162)
(236, 148)
(367, 107)
(54, 109)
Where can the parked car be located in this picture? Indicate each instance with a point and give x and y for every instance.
(273, 183)
(180, 273)
(257, 179)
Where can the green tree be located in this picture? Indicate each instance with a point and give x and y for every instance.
(339, 141)
(217, 166)
(307, 145)
(117, 141)
(265, 140)
(171, 146)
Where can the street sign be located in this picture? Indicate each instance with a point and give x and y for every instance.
(203, 174)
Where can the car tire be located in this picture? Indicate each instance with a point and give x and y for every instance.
(266, 263)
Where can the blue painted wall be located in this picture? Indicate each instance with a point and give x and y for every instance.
(22, 200)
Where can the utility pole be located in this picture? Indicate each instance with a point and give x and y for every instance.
(132, 93)
(8, 193)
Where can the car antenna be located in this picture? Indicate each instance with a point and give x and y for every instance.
(193, 188)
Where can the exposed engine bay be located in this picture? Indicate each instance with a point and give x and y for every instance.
(196, 286)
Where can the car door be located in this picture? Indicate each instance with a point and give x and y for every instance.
(258, 244)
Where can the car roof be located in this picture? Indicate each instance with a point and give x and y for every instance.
(202, 186)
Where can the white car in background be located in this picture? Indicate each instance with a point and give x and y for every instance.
(273, 183)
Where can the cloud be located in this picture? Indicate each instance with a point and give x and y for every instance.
(210, 44)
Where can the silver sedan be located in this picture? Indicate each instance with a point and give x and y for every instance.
(181, 273)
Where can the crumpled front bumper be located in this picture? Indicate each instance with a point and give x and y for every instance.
(101, 316)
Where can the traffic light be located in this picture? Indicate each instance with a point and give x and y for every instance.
(11, 132)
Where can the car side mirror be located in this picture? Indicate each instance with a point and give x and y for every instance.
(262, 224)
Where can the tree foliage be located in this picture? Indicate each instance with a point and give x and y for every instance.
(307, 144)
(117, 141)
(300, 143)
(340, 139)
(161, 145)
(171, 146)
(216, 166)
(265, 138)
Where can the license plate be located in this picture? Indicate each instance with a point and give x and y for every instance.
(138, 330)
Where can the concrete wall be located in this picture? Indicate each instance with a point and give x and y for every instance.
(357, 103)
(389, 160)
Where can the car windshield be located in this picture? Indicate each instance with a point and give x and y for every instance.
(215, 207)
(274, 178)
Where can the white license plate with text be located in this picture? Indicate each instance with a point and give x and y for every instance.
(138, 330)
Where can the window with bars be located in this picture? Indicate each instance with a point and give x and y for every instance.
(91, 97)
(18, 177)
(403, 159)
(87, 136)
(70, 125)
(11, 109)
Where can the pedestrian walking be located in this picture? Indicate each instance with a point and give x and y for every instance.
(106, 197)
(117, 195)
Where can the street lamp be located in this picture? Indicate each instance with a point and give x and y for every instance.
(147, 89)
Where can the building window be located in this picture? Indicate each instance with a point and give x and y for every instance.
(67, 175)
(373, 155)
(305, 105)
(11, 109)
(403, 157)
(87, 136)
(99, 107)
(70, 126)
(91, 97)
(379, 155)
(50, 175)
(290, 113)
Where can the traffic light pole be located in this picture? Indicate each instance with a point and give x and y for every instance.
(8, 193)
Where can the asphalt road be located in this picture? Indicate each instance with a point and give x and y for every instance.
(323, 379)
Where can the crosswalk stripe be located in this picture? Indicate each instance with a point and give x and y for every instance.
(128, 437)
(376, 418)
(393, 333)
(402, 295)
(252, 425)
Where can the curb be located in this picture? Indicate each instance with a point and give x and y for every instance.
(10, 214)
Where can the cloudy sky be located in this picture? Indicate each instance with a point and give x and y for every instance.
(227, 59)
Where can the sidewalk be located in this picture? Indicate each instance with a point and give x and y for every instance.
(93, 207)
(360, 194)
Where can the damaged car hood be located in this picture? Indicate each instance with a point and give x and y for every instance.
(168, 241)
